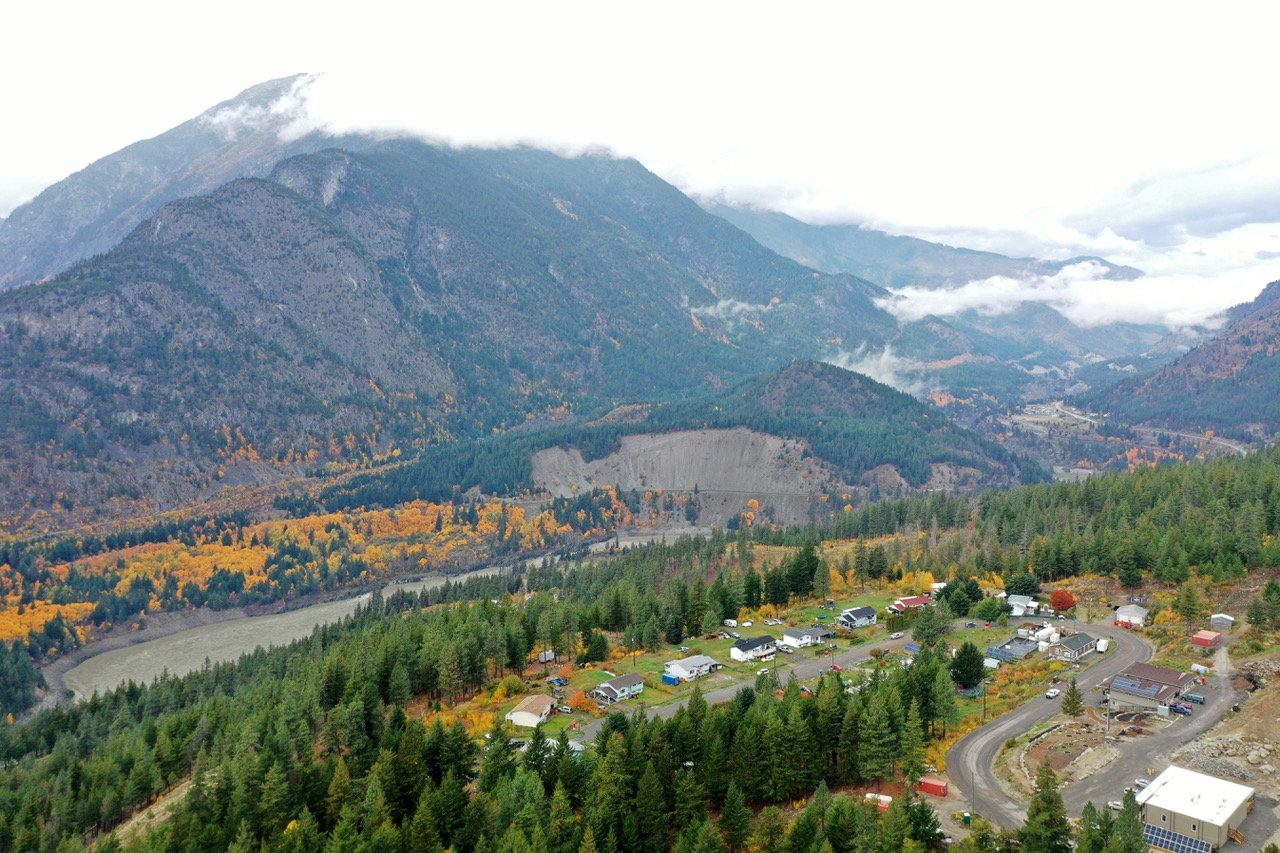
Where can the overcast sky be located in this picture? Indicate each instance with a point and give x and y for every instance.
(1145, 133)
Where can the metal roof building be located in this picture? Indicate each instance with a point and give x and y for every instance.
(1195, 804)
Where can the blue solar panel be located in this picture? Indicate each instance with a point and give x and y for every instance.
(1174, 842)
(1129, 685)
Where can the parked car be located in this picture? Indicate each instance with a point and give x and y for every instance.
(971, 624)
(735, 635)
(835, 667)
(764, 670)
(1141, 783)
(1115, 805)
(683, 649)
(896, 635)
(1193, 697)
(564, 709)
(1184, 710)
(786, 650)
(1052, 693)
(747, 624)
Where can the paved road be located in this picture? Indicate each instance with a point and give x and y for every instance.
(722, 686)
(1152, 753)
(970, 762)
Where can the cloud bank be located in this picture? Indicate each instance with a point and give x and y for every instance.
(1082, 294)
(884, 366)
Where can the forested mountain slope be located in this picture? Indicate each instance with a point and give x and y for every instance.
(1230, 383)
(357, 303)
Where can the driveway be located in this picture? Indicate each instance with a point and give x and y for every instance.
(970, 762)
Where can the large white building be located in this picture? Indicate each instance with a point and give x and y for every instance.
(695, 666)
(1195, 805)
(531, 711)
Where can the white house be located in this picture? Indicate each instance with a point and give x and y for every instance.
(799, 638)
(1023, 605)
(752, 648)
(617, 689)
(532, 711)
(1131, 616)
(858, 617)
(695, 666)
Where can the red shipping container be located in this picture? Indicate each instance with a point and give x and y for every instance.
(1205, 638)
(937, 787)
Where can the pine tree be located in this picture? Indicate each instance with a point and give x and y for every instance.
(802, 835)
(911, 747)
(651, 812)
(588, 842)
(1126, 833)
(562, 825)
(735, 820)
(1047, 829)
(1073, 700)
(943, 696)
(708, 839)
(967, 668)
(770, 831)
(421, 834)
(894, 830)
(339, 792)
(300, 836)
(1089, 837)
(933, 623)
(850, 745)
(925, 828)
(878, 744)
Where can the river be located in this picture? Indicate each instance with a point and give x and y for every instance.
(185, 651)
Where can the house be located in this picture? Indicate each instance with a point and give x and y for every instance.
(858, 617)
(1207, 639)
(687, 669)
(914, 602)
(1072, 648)
(751, 648)
(618, 689)
(1015, 648)
(531, 712)
(1196, 805)
(1023, 605)
(1222, 622)
(1131, 616)
(799, 638)
(1148, 687)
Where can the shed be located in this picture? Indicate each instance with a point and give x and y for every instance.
(1222, 622)
(1131, 616)
(937, 787)
(1205, 638)
(531, 711)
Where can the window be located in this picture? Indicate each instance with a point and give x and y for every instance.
(1164, 818)
(1194, 827)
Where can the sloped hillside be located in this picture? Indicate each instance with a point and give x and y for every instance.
(360, 303)
(1231, 383)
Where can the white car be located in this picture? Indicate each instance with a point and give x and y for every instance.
(1053, 693)
(1141, 783)
(1115, 805)
(764, 670)
(896, 635)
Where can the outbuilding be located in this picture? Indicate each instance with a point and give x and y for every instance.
(1222, 622)
(532, 711)
(1194, 805)
(1131, 616)
(1205, 638)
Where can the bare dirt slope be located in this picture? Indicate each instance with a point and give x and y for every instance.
(728, 466)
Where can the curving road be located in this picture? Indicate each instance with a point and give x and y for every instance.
(970, 763)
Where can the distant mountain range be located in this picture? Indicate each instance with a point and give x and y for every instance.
(1031, 336)
(1230, 383)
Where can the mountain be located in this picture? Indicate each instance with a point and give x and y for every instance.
(891, 261)
(1230, 383)
(1030, 349)
(804, 440)
(359, 303)
(92, 210)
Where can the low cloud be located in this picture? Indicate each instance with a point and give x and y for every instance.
(288, 114)
(1085, 297)
(885, 366)
(732, 309)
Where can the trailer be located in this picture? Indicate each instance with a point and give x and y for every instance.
(937, 787)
